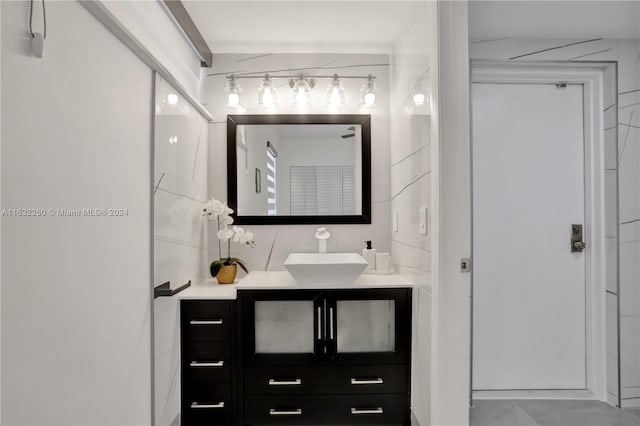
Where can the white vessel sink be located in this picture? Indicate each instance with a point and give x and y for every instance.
(325, 268)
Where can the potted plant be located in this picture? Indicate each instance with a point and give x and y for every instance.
(224, 269)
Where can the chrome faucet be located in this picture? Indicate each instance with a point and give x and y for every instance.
(322, 235)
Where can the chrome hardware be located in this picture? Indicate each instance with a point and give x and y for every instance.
(577, 245)
(377, 410)
(331, 323)
(206, 322)
(206, 364)
(276, 412)
(274, 382)
(218, 405)
(319, 323)
(376, 381)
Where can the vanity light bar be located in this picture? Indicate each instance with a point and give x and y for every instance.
(288, 77)
(301, 85)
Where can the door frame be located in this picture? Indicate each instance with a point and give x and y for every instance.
(590, 76)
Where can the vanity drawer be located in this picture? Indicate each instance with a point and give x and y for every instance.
(369, 410)
(203, 351)
(207, 404)
(206, 320)
(359, 379)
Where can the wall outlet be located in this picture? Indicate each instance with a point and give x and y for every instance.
(395, 220)
(422, 220)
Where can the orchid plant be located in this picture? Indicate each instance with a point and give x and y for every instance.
(217, 211)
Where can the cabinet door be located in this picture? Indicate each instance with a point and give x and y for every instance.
(283, 327)
(369, 326)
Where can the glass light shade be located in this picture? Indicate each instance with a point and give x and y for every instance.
(335, 94)
(267, 94)
(232, 93)
(301, 94)
(419, 99)
(368, 93)
(172, 99)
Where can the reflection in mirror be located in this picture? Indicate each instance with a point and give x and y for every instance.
(293, 172)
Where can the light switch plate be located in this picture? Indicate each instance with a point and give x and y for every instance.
(395, 220)
(422, 220)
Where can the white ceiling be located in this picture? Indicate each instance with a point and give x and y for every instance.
(302, 26)
(554, 19)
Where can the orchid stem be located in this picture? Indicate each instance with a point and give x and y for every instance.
(219, 244)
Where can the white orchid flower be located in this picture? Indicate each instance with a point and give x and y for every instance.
(238, 234)
(225, 234)
(225, 220)
(217, 207)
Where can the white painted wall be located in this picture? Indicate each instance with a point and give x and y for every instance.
(75, 296)
(255, 157)
(301, 237)
(451, 218)
(151, 23)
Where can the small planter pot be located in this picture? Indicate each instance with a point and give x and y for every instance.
(227, 274)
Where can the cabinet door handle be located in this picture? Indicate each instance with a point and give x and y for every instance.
(357, 411)
(320, 323)
(206, 322)
(274, 382)
(376, 381)
(276, 412)
(207, 364)
(218, 405)
(331, 323)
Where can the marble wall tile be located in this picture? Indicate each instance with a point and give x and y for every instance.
(410, 157)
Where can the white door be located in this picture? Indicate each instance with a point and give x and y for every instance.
(528, 189)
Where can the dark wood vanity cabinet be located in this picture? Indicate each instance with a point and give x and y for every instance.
(325, 357)
(208, 353)
(297, 357)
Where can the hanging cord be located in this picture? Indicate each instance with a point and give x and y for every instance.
(44, 19)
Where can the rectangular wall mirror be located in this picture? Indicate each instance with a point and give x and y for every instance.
(299, 169)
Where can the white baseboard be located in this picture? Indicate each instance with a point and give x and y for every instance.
(534, 394)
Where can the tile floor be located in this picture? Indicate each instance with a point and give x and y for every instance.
(538, 412)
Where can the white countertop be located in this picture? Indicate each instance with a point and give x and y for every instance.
(282, 280)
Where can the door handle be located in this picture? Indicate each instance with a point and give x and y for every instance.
(320, 336)
(206, 322)
(377, 410)
(207, 364)
(376, 381)
(274, 382)
(577, 243)
(218, 405)
(331, 323)
(294, 412)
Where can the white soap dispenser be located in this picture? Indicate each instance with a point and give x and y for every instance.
(369, 254)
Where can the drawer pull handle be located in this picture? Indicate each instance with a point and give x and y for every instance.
(218, 405)
(207, 364)
(276, 412)
(376, 381)
(274, 382)
(206, 322)
(357, 411)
